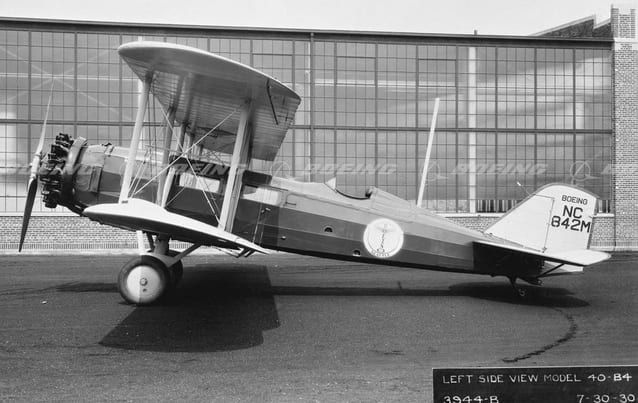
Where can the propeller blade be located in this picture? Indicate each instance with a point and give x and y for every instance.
(32, 188)
(38, 150)
(31, 192)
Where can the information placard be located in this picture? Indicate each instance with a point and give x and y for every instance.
(606, 384)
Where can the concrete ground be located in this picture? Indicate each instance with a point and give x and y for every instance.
(285, 328)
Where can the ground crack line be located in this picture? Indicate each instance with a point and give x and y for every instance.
(573, 328)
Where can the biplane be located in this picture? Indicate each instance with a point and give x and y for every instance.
(204, 192)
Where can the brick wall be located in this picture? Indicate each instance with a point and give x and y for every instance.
(623, 21)
(63, 232)
(625, 116)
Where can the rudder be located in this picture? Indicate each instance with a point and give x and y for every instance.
(557, 217)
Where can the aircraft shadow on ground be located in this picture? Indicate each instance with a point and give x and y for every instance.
(229, 306)
(494, 291)
(215, 308)
(553, 297)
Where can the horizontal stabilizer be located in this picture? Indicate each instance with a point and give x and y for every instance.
(582, 257)
(136, 214)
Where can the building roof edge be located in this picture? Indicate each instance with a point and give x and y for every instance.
(566, 25)
(297, 31)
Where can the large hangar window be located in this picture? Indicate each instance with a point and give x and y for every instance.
(511, 113)
(14, 107)
(511, 119)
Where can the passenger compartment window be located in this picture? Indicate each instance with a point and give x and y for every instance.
(189, 180)
(262, 195)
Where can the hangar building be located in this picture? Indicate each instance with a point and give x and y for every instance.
(517, 112)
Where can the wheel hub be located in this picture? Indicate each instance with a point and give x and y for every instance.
(144, 284)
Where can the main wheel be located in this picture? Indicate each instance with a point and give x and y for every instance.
(143, 280)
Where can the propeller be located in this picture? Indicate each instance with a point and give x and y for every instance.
(32, 187)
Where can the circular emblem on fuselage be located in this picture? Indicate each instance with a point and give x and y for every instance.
(383, 238)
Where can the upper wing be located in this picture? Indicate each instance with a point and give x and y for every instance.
(204, 88)
(137, 214)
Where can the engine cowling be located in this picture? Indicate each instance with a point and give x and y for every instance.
(57, 172)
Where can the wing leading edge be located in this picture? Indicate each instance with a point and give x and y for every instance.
(204, 89)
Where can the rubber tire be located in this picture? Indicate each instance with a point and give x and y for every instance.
(176, 271)
(160, 272)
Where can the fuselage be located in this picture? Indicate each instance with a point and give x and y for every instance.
(285, 214)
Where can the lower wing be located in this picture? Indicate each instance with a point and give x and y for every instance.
(142, 215)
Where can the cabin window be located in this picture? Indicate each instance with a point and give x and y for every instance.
(189, 180)
(262, 195)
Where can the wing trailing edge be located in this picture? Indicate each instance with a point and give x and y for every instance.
(137, 214)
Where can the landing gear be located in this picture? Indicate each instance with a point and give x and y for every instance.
(143, 280)
(148, 277)
(519, 291)
(176, 271)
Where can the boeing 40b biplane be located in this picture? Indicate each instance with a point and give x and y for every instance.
(224, 107)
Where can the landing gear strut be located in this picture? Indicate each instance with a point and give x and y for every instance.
(519, 291)
(176, 271)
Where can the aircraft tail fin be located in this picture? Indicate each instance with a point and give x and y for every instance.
(556, 218)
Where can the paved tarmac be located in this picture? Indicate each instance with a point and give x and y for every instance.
(285, 328)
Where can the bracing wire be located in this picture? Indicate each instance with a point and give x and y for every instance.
(203, 192)
(188, 150)
(153, 148)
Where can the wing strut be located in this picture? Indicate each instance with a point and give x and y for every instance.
(168, 137)
(171, 170)
(162, 183)
(238, 162)
(142, 101)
